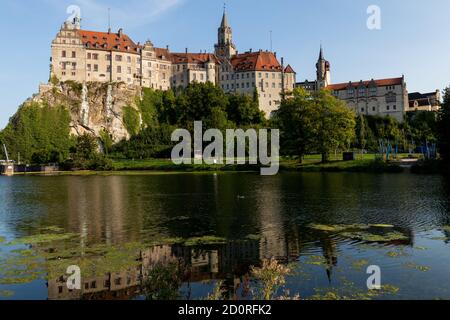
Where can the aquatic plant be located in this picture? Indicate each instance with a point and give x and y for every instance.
(371, 237)
(411, 265)
(217, 293)
(6, 293)
(270, 277)
(360, 264)
(163, 281)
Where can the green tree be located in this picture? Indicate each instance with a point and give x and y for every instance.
(295, 120)
(199, 102)
(444, 127)
(38, 132)
(244, 110)
(333, 124)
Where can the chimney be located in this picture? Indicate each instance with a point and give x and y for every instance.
(251, 50)
(275, 53)
(167, 47)
(186, 50)
(120, 32)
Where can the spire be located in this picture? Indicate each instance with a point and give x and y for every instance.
(224, 23)
(321, 53)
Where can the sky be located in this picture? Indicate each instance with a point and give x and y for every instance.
(413, 39)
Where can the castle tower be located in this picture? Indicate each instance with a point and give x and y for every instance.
(225, 47)
(323, 71)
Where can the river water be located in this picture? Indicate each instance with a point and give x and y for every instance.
(218, 226)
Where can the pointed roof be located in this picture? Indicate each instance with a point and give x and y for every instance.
(224, 23)
(289, 69)
(321, 53)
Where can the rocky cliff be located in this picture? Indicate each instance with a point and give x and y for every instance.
(94, 107)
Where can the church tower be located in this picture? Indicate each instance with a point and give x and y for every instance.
(323, 71)
(225, 47)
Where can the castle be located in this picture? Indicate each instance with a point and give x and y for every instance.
(91, 56)
(376, 97)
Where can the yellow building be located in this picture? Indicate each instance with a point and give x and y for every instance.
(91, 56)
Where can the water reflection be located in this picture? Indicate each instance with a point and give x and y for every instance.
(115, 210)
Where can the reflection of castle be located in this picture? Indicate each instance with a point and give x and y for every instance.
(233, 258)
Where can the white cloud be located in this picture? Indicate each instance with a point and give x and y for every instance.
(127, 14)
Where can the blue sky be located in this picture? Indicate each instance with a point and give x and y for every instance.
(413, 40)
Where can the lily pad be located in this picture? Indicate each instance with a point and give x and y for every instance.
(43, 238)
(337, 227)
(6, 293)
(411, 265)
(371, 237)
(2, 240)
(360, 264)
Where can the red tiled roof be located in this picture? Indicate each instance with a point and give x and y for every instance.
(160, 53)
(194, 58)
(379, 83)
(107, 41)
(256, 61)
(289, 69)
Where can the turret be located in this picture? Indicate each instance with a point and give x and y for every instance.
(323, 71)
(225, 47)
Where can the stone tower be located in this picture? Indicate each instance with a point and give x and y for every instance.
(225, 47)
(323, 71)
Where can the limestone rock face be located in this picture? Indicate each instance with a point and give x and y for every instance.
(94, 107)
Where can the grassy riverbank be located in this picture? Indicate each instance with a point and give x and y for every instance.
(367, 163)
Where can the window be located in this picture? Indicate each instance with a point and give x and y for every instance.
(63, 54)
(118, 58)
(88, 67)
(388, 108)
(108, 57)
(108, 69)
(129, 70)
(95, 56)
(119, 69)
(89, 55)
(129, 59)
(74, 65)
(95, 67)
(74, 54)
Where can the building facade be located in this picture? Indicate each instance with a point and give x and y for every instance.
(90, 56)
(377, 97)
(424, 101)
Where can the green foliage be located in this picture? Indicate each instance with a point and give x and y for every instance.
(106, 140)
(151, 101)
(151, 142)
(244, 110)
(201, 102)
(315, 122)
(39, 132)
(85, 155)
(131, 120)
(444, 127)
(54, 80)
(164, 281)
